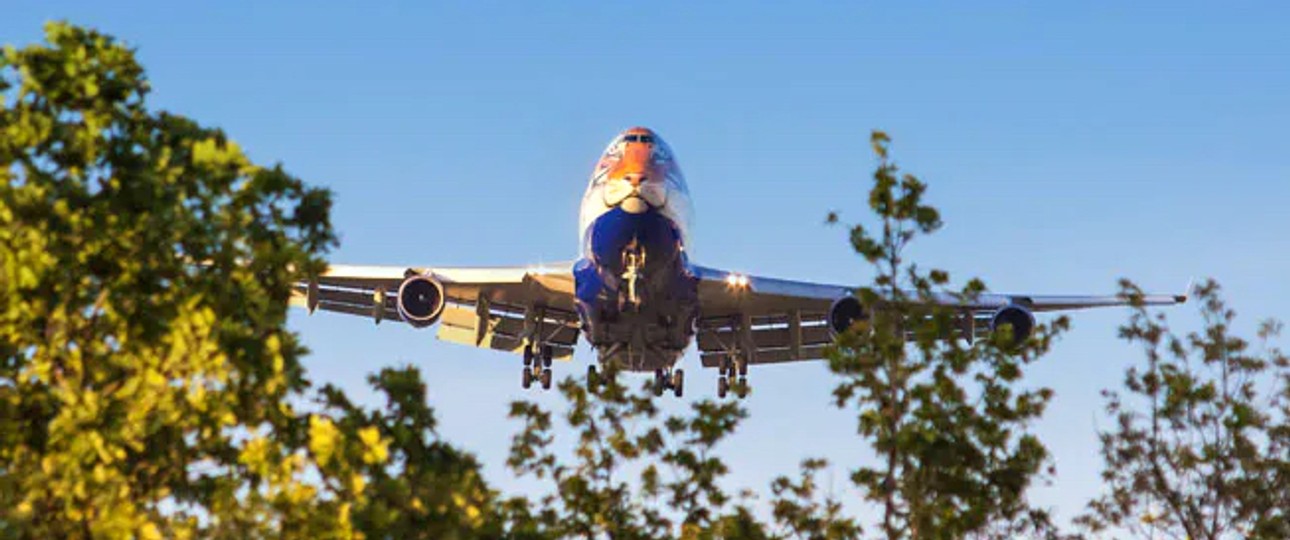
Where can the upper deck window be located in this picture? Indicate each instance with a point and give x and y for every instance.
(638, 138)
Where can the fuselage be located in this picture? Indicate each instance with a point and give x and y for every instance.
(636, 294)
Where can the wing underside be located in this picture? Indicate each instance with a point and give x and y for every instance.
(768, 320)
(494, 308)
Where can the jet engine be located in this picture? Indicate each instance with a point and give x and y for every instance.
(845, 312)
(421, 300)
(1021, 319)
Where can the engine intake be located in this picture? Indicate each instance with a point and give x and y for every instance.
(1019, 318)
(845, 312)
(421, 300)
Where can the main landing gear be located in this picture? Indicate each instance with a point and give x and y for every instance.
(664, 380)
(537, 366)
(669, 379)
(733, 375)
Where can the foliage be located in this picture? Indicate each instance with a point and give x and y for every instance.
(411, 486)
(946, 418)
(1201, 444)
(616, 428)
(147, 380)
(802, 513)
(138, 385)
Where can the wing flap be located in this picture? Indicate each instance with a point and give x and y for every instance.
(768, 356)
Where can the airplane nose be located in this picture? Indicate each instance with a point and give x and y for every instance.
(635, 165)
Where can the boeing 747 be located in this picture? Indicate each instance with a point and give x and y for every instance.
(635, 295)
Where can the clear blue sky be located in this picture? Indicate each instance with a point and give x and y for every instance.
(1065, 146)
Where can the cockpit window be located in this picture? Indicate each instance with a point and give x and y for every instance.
(638, 138)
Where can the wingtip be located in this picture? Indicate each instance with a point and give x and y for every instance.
(1182, 298)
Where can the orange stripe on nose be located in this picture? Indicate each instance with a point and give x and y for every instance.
(635, 165)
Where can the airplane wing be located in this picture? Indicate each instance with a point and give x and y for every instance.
(775, 320)
(484, 307)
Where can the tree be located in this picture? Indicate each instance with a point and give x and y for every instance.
(1201, 442)
(424, 488)
(147, 380)
(946, 417)
(619, 431)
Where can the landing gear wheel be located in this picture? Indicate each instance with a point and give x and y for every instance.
(527, 380)
(593, 378)
(528, 356)
(741, 389)
(678, 382)
(743, 368)
(547, 354)
(546, 379)
(660, 382)
(723, 386)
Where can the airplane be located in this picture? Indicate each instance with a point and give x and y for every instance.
(634, 293)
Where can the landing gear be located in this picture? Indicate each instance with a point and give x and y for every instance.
(733, 372)
(669, 379)
(593, 378)
(537, 366)
(633, 273)
(740, 385)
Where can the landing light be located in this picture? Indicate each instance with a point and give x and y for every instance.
(736, 281)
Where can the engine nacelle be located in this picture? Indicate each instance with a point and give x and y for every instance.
(421, 300)
(845, 312)
(1021, 320)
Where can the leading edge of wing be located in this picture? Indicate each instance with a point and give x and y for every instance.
(774, 286)
(460, 274)
(830, 292)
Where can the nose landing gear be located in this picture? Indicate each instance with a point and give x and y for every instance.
(633, 272)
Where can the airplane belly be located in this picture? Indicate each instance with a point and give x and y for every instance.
(616, 230)
(635, 293)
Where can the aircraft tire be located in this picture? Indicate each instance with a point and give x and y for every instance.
(593, 378)
(741, 388)
(723, 387)
(546, 379)
(678, 383)
(526, 380)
